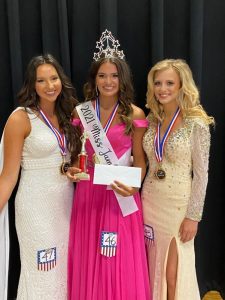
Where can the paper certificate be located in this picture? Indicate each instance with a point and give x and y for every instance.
(107, 174)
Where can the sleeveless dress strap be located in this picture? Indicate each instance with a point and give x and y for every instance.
(141, 123)
(76, 122)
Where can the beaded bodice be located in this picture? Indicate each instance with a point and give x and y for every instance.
(185, 161)
(41, 149)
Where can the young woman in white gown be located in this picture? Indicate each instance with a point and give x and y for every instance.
(38, 137)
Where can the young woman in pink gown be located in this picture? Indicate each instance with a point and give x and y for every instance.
(121, 272)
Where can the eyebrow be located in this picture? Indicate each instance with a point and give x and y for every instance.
(107, 73)
(43, 77)
(165, 80)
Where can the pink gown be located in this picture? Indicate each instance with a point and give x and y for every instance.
(91, 275)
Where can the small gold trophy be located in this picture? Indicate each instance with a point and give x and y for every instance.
(82, 159)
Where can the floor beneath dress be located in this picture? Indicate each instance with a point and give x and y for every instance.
(213, 295)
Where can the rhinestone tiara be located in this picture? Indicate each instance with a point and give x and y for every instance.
(107, 47)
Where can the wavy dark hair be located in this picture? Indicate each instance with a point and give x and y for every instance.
(126, 90)
(65, 103)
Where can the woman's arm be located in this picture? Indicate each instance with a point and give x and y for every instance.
(16, 130)
(74, 169)
(139, 159)
(200, 143)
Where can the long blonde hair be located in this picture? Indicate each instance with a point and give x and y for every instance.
(188, 98)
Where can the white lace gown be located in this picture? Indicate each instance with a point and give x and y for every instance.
(42, 210)
(167, 202)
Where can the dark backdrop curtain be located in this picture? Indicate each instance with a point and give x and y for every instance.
(148, 30)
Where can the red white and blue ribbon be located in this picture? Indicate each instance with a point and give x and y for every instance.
(59, 136)
(111, 117)
(159, 145)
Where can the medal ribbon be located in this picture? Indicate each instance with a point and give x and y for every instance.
(59, 136)
(159, 146)
(111, 117)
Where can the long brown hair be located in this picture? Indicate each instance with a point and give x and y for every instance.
(65, 102)
(126, 90)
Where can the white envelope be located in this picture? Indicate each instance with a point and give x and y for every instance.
(106, 174)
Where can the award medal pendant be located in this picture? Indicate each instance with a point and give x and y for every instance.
(159, 145)
(61, 139)
(160, 174)
(64, 167)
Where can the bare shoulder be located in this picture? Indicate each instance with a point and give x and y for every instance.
(18, 122)
(138, 113)
(18, 117)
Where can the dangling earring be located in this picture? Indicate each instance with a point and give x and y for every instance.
(96, 90)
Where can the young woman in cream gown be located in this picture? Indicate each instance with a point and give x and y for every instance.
(177, 146)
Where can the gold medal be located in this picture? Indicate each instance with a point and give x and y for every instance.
(160, 174)
(160, 143)
(64, 167)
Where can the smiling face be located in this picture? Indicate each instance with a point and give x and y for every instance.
(107, 80)
(166, 86)
(48, 85)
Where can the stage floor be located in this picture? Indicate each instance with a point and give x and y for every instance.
(213, 295)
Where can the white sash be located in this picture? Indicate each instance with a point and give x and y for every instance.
(104, 150)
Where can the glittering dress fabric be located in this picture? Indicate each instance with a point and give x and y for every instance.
(92, 275)
(42, 209)
(167, 202)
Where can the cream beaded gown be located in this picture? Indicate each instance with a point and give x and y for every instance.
(42, 210)
(167, 202)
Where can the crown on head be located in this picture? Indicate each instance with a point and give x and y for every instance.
(108, 47)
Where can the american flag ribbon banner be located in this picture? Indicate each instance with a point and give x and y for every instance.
(108, 243)
(46, 259)
(148, 234)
